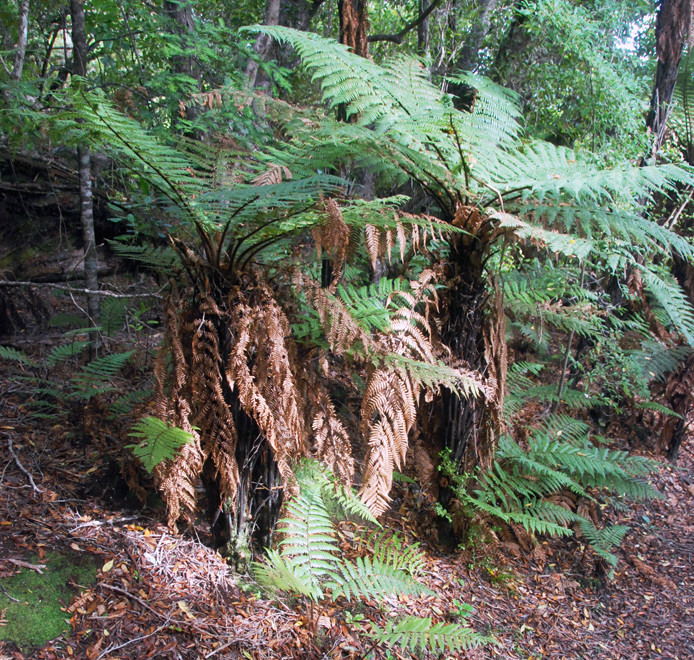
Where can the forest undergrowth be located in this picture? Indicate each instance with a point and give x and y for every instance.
(162, 595)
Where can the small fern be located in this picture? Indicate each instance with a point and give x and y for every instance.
(419, 635)
(96, 377)
(309, 563)
(373, 578)
(13, 355)
(158, 441)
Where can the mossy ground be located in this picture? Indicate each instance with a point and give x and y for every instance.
(36, 618)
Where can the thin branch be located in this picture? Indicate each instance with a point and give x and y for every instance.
(62, 287)
(10, 446)
(111, 649)
(398, 37)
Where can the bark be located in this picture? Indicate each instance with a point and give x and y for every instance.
(182, 15)
(671, 31)
(473, 328)
(469, 54)
(422, 18)
(298, 14)
(673, 27)
(264, 42)
(21, 41)
(91, 266)
(514, 43)
(354, 25)
(423, 29)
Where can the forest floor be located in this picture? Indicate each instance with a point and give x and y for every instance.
(156, 595)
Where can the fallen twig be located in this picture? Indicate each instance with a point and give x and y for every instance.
(10, 446)
(111, 649)
(25, 564)
(63, 287)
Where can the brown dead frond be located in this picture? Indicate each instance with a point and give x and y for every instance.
(333, 236)
(273, 175)
(340, 328)
(331, 444)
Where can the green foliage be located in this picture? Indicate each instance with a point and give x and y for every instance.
(13, 355)
(559, 457)
(96, 377)
(419, 635)
(309, 562)
(157, 441)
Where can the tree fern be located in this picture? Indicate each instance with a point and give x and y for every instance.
(158, 441)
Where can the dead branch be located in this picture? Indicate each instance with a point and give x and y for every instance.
(63, 287)
(10, 446)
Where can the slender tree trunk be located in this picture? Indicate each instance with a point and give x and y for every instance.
(514, 42)
(469, 54)
(298, 14)
(79, 68)
(182, 15)
(21, 46)
(423, 29)
(21, 41)
(672, 27)
(263, 43)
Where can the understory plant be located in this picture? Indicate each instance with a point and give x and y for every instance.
(554, 483)
(308, 563)
(242, 368)
(51, 394)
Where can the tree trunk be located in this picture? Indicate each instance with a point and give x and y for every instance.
(470, 52)
(423, 30)
(182, 15)
(473, 328)
(20, 46)
(91, 266)
(21, 41)
(673, 28)
(514, 42)
(298, 14)
(354, 25)
(263, 43)
(671, 31)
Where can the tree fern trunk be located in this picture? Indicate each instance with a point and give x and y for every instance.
(473, 329)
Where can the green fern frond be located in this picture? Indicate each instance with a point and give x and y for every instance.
(96, 377)
(391, 550)
(673, 301)
(372, 578)
(420, 635)
(13, 355)
(309, 537)
(158, 441)
(125, 404)
(602, 541)
(283, 573)
(65, 352)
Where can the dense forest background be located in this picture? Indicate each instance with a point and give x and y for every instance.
(356, 267)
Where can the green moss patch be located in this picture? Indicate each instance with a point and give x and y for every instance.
(35, 617)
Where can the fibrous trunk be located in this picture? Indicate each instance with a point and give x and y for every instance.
(474, 330)
(236, 383)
